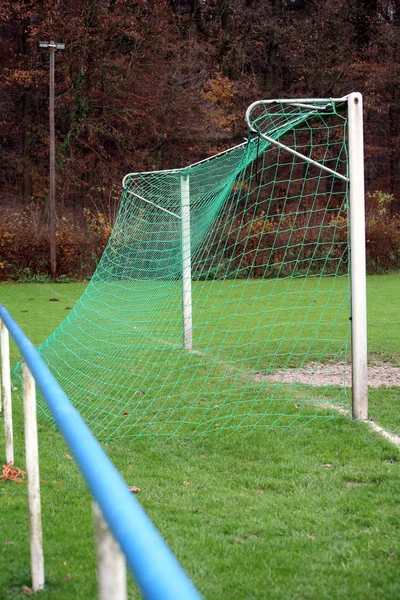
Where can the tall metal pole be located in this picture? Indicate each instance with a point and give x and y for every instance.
(53, 258)
(358, 269)
(52, 192)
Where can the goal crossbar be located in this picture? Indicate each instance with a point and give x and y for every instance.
(169, 212)
(294, 122)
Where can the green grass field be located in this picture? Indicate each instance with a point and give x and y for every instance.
(303, 513)
(119, 356)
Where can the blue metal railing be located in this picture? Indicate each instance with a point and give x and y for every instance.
(155, 568)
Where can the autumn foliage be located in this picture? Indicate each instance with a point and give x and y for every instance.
(150, 85)
(270, 247)
(24, 245)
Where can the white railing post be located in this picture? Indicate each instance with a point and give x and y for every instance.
(32, 468)
(186, 265)
(111, 564)
(358, 268)
(1, 383)
(6, 389)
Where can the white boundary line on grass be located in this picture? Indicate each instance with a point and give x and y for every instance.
(392, 437)
(395, 439)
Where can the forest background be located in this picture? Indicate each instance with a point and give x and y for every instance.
(161, 84)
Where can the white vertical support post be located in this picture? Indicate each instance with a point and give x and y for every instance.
(6, 389)
(111, 564)
(186, 265)
(32, 468)
(1, 384)
(358, 264)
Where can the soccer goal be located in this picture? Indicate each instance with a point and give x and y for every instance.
(228, 291)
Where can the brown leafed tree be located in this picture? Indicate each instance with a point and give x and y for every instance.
(150, 85)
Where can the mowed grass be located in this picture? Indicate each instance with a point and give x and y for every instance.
(307, 512)
(119, 354)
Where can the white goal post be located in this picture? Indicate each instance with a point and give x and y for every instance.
(357, 233)
(358, 263)
(354, 179)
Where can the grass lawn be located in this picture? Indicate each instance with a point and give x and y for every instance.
(301, 513)
(119, 356)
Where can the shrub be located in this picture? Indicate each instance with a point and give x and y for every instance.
(302, 243)
(382, 234)
(24, 245)
(268, 246)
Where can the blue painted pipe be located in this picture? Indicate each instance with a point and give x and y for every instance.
(155, 568)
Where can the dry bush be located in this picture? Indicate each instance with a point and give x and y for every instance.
(306, 243)
(277, 246)
(382, 234)
(24, 244)
(295, 244)
(302, 243)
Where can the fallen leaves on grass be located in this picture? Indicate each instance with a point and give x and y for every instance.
(351, 484)
(241, 540)
(134, 489)
(390, 556)
(13, 473)
(186, 483)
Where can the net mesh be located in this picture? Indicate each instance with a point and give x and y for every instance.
(257, 236)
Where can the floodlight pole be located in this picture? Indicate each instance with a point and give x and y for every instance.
(52, 199)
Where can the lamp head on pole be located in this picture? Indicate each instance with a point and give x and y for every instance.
(52, 45)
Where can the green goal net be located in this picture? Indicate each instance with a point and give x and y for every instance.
(222, 299)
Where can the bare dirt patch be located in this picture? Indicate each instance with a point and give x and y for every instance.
(379, 375)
